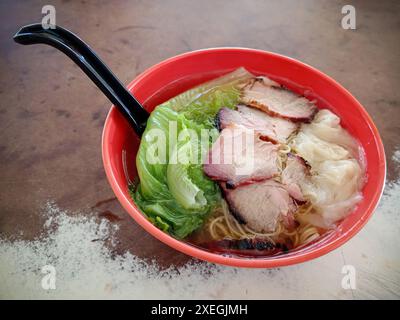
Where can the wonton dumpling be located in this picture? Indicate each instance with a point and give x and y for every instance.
(334, 181)
(314, 150)
(326, 126)
(334, 189)
(337, 177)
(331, 213)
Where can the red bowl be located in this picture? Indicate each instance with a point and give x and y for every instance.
(175, 75)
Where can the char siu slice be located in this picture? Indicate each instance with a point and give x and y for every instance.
(239, 156)
(295, 174)
(261, 205)
(272, 98)
(270, 128)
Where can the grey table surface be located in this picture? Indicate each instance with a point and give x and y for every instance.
(51, 120)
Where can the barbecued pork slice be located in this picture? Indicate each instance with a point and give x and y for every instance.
(239, 156)
(282, 127)
(272, 98)
(261, 205)
(295, 174)
(270, 128)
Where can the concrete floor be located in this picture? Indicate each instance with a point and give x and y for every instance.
(51, 115)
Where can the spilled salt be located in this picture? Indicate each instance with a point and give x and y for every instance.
(396, 156)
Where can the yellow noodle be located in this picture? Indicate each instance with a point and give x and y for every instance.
(305, 209)
(227, 219)
(222, 228)
(284, 149)
(307, 234)
(296, 240)
(212, 226)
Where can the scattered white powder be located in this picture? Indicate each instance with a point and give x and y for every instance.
(396, 156)
(87, 269)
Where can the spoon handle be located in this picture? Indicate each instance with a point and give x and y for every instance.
(92, 65)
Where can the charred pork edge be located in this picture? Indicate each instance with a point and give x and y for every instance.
(267, 110)
(232, 210)
(248, 244)
(217, 120)
(304, 161)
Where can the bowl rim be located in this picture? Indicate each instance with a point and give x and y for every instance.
(267, 262)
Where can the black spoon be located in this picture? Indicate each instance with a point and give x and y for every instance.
(92, 65)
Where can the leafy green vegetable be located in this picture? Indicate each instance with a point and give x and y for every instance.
(185, 192)
(202, 103)
(173, 192)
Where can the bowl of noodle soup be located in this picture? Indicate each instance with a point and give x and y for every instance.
(173, 76)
